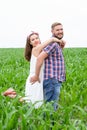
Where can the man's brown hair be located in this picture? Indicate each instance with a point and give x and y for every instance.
(55, 24)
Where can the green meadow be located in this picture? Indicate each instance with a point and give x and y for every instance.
(72, 111)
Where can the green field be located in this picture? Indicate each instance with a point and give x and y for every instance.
(72, 112)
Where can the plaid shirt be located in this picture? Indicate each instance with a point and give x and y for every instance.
(54, 63)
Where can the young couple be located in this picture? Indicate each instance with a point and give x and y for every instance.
(47, 70)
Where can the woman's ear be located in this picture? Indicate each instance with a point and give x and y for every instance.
(30, 43)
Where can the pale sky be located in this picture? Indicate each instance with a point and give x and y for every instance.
(19, 17)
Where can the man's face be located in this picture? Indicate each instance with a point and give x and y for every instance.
(58, 31)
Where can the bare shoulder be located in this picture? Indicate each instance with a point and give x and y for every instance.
(36, 50)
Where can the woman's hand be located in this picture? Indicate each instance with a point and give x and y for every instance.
(34, 79)
(54, 39)
(60, 42)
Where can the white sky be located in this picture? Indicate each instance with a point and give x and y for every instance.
(19, 17)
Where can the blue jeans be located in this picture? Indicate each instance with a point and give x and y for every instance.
(51, 89)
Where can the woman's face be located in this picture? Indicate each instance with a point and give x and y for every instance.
(34, 40)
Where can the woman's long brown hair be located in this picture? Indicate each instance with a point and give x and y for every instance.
(28, 47)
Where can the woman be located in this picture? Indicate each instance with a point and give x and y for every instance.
(34, 92)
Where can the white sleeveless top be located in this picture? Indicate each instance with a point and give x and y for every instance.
(33, 67)
(34, 92)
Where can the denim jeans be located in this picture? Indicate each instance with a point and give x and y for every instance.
(51, 89)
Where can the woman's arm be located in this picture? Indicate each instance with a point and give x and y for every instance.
(40, 47)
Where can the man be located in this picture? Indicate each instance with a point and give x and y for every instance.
(54, 69)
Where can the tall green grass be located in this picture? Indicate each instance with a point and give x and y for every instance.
(72, 111)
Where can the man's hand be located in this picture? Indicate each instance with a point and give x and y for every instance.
(34, 79)
(62, 43)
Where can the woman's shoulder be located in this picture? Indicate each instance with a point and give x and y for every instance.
(36, 50)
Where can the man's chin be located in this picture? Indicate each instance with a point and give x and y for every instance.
(60, 37)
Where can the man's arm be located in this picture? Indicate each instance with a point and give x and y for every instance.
(39, 63)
